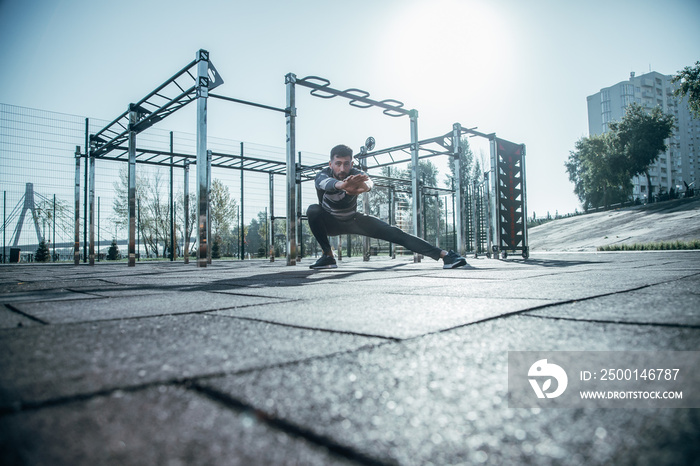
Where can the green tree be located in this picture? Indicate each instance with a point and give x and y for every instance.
(113, 251)
(223, 208)
(157, 212)
(598, 171)
(253, 240)
(640, 137)
(689, 79)
(45, 209)
(185, 226)
(216, 248)
(263, 233)
(379, 198)
(427, 174)
(466, 165)
(256, 236)
(280, 238)
(42, 253)
(149, 203)
(468, 171)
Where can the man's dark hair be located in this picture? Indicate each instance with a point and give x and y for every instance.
(341, 150)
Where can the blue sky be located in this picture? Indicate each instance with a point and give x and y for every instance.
(519, 69)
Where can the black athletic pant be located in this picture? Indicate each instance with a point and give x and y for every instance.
(323, 224)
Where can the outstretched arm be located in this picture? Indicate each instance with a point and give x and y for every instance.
(355, 184)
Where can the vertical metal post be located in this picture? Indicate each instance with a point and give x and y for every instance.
(202, 186)
(138, 232)
(4, 225)
(447, 224)
(85, 195)
(290, 80)
(76, 244)
(186, 203)
(475, 214)
(454, 222)
(98, 228)
(456, 153)
(422, 209)
(271, 232)
(365, 208)
(392, 220)
(494, 198)
(300, 232)
(209, 238)
(242, 227)
(437, 221)
(53, 256)
(172, 204)
(133, 119)
(413, 115)
(92, 207)
(526, 248)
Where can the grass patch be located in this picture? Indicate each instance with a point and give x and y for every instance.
(658, 246)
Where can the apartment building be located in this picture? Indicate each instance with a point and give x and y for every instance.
(681, 161)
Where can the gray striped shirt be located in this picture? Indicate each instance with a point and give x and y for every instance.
(338, 203)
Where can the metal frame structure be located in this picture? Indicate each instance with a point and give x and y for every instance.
(117, 141)
(191, 83)
(194, 82)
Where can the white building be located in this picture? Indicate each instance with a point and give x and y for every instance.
(680, 162)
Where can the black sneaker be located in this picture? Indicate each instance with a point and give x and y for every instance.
(324, 262)
(453, 260)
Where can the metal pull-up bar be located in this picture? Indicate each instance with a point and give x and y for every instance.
(246, 102)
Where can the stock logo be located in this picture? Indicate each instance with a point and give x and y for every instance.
(546, 371)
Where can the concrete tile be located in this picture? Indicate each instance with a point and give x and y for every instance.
(12, 319)
(392, 316)
(44, 296)
(642, 306)
(118, 307)
(159, 425)
(47, 283)
(58, 361)
(442, 399)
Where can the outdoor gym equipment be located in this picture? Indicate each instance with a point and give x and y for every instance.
(195, 82)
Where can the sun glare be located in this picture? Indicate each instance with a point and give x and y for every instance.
(443, 44)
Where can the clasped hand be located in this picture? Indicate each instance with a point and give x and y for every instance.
(354, 184)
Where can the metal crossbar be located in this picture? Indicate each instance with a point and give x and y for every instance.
(246, 102)
(441, 145)
(219, 160)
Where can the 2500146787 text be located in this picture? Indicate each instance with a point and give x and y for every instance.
(632, 374)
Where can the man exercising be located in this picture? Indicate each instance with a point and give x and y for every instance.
(338, 186)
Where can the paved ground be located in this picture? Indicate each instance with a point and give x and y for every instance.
(385, 362)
